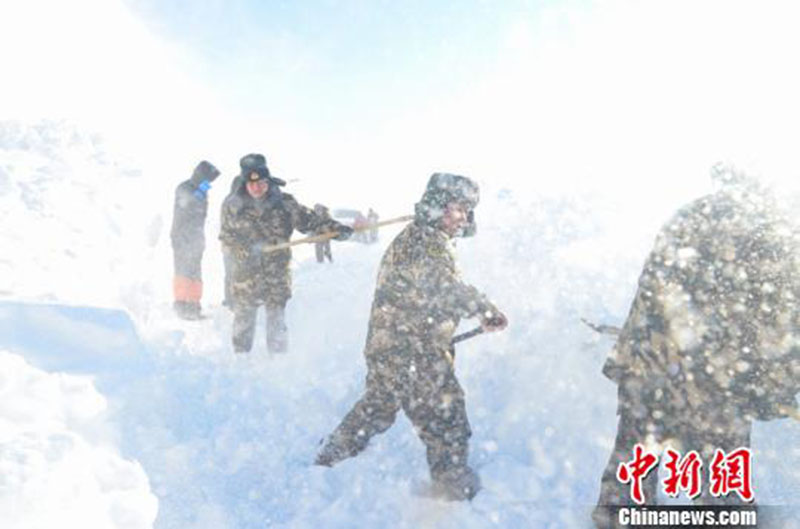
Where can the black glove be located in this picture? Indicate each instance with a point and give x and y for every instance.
(496, 321)
(345, 232)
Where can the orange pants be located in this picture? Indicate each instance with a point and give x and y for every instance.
(186, 289)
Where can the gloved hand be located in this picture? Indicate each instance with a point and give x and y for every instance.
(345, 232)
(494, 321)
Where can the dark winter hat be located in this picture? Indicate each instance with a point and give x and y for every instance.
(252, 161)
(446, 187)
(257, 173)
(205, 171)
(258, 164)
(442, 189)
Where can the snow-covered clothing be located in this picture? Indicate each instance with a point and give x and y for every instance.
(419, 301)
(709, 343)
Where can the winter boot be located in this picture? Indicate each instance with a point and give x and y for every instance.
(244, 327)
(457, 484)
(182, 309)
(331, 453)
(193, 311)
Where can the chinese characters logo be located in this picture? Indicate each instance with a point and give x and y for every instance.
(728, 473)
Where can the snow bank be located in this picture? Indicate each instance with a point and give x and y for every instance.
(54, 469)
(79, 224)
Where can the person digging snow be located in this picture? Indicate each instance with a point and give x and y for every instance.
(419, 301)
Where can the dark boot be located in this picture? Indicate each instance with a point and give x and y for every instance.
(457, 484)
(182, 309)
(193, 311)
(332, 452)
(244, 327)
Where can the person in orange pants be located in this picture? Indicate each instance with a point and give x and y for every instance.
(188, 239)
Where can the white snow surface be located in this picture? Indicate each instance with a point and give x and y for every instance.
(115, 414)
(55, 468)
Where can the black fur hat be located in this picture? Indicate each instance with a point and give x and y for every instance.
(442, 189)
(255, 163)
(205, 171)
(252, 161)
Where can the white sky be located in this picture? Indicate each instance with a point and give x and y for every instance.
(640, 96)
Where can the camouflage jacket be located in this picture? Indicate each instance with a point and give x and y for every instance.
(712, 322)
(249, 225)
(420, 298)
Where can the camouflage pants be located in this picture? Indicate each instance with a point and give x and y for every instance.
(229, 263)
(704, 437)
(323, 250)
(273, 290)
(424, 386)
(244, 328)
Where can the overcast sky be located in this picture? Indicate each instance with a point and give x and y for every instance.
(373, 96)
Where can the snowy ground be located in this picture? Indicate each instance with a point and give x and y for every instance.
(129, 418)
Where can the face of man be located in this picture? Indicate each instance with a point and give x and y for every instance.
(454, 218)
(257, 188)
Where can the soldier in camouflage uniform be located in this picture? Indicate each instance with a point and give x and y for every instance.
(247, 163)
(418, 303)
(708, 345)
(255, 216)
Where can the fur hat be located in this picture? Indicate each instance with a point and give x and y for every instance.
(442, 189)
(205, 171)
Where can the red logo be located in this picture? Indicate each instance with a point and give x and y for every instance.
(728, 473)
(683, 474)
(636, 470)
(732, 473)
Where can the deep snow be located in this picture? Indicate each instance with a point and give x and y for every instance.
(104, 411)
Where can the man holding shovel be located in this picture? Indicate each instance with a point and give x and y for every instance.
(418, 303)
(258, 220)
